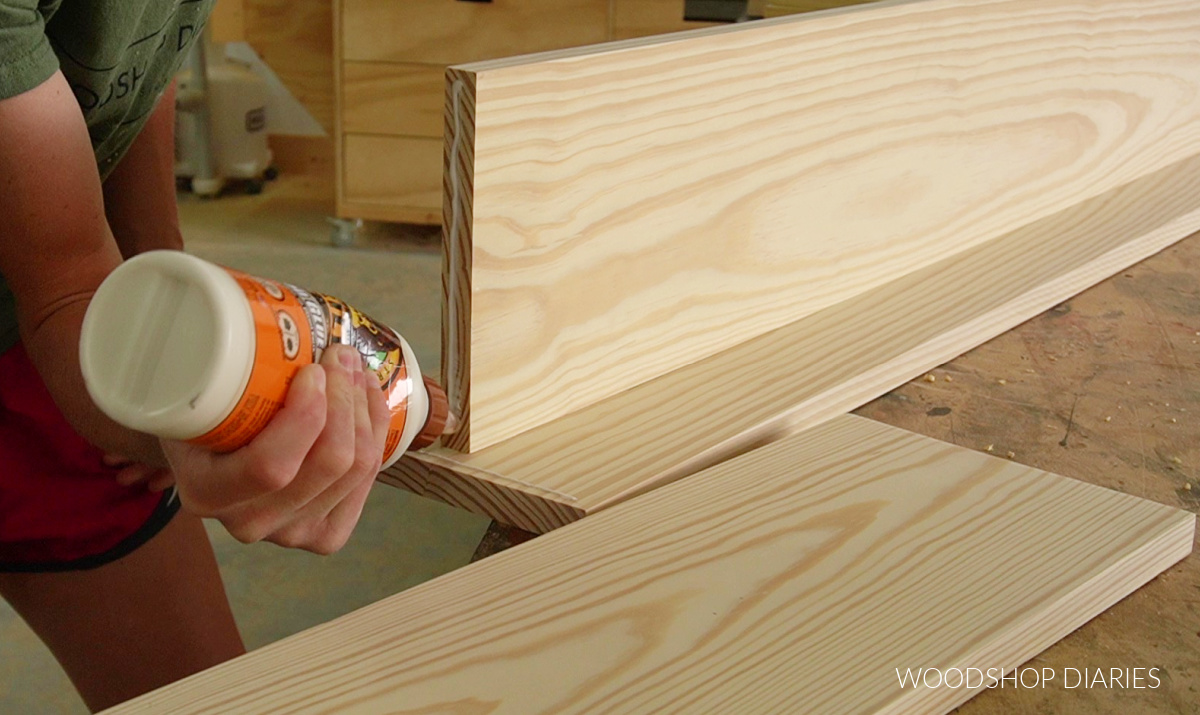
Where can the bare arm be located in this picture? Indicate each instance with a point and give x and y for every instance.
(302, 482)
(139, 194)
(57, 248)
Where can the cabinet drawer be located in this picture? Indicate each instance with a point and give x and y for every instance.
(640, 18)
(775, 8)
(385, 98)
(396, 171)
(452, 31)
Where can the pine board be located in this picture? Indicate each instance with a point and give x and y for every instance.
(629, 209)
(810, 370)
(793, 579)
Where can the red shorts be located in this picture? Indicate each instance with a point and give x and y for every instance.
(61, 509)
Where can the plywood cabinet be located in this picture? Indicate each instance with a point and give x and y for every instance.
(389, 63)
(454, 31)
(775, 8)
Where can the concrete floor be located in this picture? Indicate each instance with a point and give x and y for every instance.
(394, 274)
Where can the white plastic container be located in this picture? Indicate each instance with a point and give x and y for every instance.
(178, 347)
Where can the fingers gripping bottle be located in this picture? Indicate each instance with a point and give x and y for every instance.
(178, 347)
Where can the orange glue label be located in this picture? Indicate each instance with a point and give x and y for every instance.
(292, 328)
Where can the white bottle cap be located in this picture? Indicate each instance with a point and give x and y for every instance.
(167, 345)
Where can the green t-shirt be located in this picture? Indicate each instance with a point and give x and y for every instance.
(118, 56)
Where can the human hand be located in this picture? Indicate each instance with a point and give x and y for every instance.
(302, 482)
(156, 479)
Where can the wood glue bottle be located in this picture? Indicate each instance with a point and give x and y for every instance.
(183, 349)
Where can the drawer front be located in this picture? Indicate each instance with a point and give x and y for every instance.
(453, 31)
(775, 8)
(640, 18)
(397, 99)
(397, 171)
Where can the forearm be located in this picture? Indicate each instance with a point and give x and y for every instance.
(139, 194)
(56, 248)
(53, 346)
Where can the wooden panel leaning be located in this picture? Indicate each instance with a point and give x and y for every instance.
(295, 38)
(797, 578)
(639, 206)
(446, 31)
(808, 371)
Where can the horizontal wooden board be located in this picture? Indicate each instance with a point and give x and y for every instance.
(446, 31)
(641, 206)
(811, 370)
(394, 99)
(797, 578)
(401, 171)
(642, 18)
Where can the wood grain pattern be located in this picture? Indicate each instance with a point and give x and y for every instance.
(457, 196)
(794, 579)
(642, 18)
(643, 205)
(820, 366)
(394, 99)
(295, 38)
(403, 171)
(446, 32)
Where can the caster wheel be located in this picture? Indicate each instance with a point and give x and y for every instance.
(271, 173)
(344, 231)
(207, 188)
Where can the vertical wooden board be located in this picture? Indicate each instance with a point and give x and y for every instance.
(295, 39)
(641, 18)
(797, 578)
(404, 171)
(813, 369)
(395, 99)
(448, 31)
(643, 205)
(457, 195)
